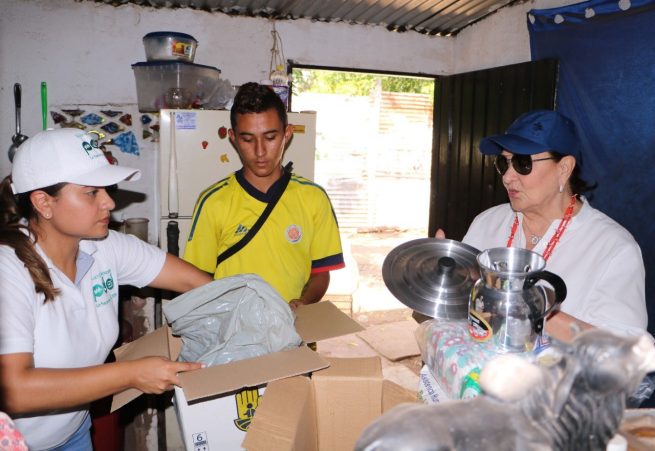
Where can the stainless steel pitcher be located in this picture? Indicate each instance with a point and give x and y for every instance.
(506, 307)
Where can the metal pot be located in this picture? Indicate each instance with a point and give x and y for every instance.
(432, 276)
(506, 306)
(170, 46)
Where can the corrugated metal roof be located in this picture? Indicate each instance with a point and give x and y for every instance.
(433, 17)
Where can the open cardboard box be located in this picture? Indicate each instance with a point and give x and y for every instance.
(206, 386)
(327, 412)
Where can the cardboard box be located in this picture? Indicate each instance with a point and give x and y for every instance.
(207, 389)
(327, 412)
(218, 423)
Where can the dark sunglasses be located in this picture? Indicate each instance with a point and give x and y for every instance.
(522, 164)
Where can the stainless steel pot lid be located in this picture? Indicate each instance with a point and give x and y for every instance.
(432, 276)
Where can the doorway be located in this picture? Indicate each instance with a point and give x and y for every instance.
(374, 136)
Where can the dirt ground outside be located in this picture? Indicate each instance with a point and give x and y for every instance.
(368, 249)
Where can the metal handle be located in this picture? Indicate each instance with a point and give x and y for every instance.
(17, 94)
(173, 238)
(173, 201)
(560, 294)
(17, 101)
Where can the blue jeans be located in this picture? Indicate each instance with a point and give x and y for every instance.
(80, 440)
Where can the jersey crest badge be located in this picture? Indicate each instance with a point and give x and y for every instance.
(294, 233)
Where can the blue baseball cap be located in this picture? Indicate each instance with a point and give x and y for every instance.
(535, 132)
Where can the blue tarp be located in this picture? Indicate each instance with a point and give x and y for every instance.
(606, 85)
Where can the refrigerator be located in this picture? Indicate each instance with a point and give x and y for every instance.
(195, 152)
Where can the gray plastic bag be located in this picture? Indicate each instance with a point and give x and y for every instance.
(231, 319)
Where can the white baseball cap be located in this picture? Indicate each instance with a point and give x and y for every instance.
(64, 155)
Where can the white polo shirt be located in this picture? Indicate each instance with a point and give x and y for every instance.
(80, 326)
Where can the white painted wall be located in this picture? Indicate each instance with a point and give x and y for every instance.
(499, 40)
(84, 51)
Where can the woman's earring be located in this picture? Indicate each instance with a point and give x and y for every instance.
(46, 215)
(561, 188)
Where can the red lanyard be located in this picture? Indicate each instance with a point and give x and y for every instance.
(568, 214)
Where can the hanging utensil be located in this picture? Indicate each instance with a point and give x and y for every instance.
(173, 196)
(173, 229)
(44, 104)
(18, 138)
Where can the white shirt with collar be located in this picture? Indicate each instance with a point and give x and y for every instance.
(597, 258)
(78, 328)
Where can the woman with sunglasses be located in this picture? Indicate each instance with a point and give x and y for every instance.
(539, 161)
(60, 268)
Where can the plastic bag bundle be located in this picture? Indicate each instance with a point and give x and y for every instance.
(231, 319)
(454, 359)
(222, 97)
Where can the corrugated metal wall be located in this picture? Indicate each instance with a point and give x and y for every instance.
(468, 107)
(355, 199)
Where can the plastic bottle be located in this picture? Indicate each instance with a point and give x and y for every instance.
(280, 83)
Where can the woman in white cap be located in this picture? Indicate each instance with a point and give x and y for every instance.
(539, 161)
(60, 268)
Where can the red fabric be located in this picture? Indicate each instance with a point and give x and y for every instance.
(107, 431)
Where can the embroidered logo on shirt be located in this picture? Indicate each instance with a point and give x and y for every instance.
(103, 288)
(294, 233)
(241, 230)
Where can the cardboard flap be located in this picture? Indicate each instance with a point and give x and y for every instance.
(348, 367)
(285, 418)
(393, 394)
(152, 344)
(219, 379)
(395, 341)
(348, 397)
(323, 320)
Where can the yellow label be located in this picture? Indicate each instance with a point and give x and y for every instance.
(247, 401)
(479, 328)
(298, 128)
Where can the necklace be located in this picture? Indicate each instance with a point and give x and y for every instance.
(568, 214)
(534, 239)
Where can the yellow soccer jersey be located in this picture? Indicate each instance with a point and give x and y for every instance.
(300, 237)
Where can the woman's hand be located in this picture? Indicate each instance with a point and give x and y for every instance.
(25, 389)
(440, 234)
(156, 375)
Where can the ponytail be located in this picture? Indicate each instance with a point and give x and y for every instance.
(12, 233)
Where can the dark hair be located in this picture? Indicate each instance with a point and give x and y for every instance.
(577, 183)
(13, 210)
(255, 98)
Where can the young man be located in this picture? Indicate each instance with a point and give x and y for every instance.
(299, 242)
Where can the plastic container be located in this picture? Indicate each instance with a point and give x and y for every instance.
(172, 84)
(170, 46)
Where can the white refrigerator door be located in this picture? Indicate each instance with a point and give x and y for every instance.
(194, 155)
